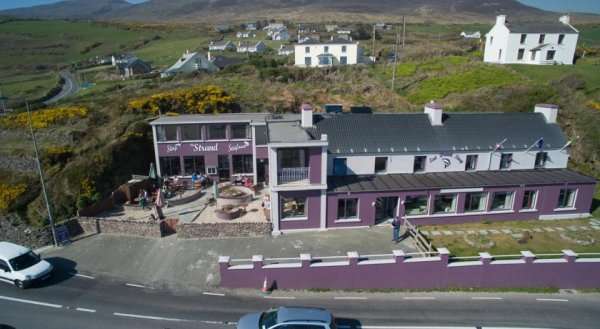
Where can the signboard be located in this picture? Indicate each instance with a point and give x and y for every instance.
(210, 147)
(62, 235)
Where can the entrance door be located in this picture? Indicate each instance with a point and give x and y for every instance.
(262, 171)
(223, 167)
(385, 209)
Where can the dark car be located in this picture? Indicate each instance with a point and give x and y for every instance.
(288, 318)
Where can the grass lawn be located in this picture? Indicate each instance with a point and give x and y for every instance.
(544, 74)
(506, 244)
(32, 86)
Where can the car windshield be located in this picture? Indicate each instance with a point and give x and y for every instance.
(24, 261)
(268, 319)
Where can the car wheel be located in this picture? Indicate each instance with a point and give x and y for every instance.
(19, 284)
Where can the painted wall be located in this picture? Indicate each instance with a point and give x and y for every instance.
(334, 49)
(262, 152)
(313, 210)
(567, 272)
(314, 163)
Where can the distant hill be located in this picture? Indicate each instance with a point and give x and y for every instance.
(303, 10)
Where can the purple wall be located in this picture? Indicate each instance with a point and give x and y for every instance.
(262, 152)
(567, 272)
(313, 210)
(314, 163)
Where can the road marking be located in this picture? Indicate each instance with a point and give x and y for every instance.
(418, 298)
(279, 297)
(148, 317)
(551, 300)
(33, 302)
(135, 285)
(211, 322)
(350, 298)
(88, 310)
(487, 298)
(213, 294)
(84, 276)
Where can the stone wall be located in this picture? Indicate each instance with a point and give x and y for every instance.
(15, 230)
(222, 230)
(91, 225)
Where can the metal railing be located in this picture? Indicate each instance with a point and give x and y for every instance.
(296, 175)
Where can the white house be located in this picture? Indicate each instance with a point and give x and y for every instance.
(188, 63)
(471, 35)
(531, 43)
(285, 50)
(221, 46)
(280, 35)
(274, 26)
(332, 52)
(248, 47)
(245, 35)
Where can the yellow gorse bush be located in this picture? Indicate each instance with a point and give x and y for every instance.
(199, 99)
(594, 104)
(10, 193)
(43, 118)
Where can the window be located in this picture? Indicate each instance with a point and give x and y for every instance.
(502, 201)
(307, 50)
(540, 159)
(166, 133)
(505, 160)
(4, 266)
(292, 158)
(347, 208)
(529, 200)
(561, 38)
(499, 54)
(326, 49)
(491, 40)
(240, 131)
(475, 202)
(307, 61)
(444, 203)
(521, 54)
(293, 207)
(471, 163)
(380, 164)
(24, 261)
(325, 60)
(415, 205)
(170, 166)
(193, 164)
(523, 38)
(550, 55)
(566, 198)
(542, 38)
(343, 60)
(191, 132)
(343, 49)
(217, 132)
(339, 167)
(242, 164)
(419, 165)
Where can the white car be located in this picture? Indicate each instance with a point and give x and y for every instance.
(21, 266)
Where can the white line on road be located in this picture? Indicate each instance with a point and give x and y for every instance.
(213, 294)
(84, 276)
(418, 298)
(33, 302)
(279, 297)
(551, 300)
(487, 298)
(350, 298)
(148, 317)
(88, 310)
(135, 285)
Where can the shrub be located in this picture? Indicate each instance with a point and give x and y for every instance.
(594, 105)
(199, 99)
(43, 118)
(57, 154)
(9, 195)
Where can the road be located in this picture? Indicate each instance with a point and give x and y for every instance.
(70, 87)
(84, 301)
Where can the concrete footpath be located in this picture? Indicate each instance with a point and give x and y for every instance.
(186, 265)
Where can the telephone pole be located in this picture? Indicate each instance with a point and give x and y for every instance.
(403, 30)
(373, 47)
(395, 60)
(39, 167)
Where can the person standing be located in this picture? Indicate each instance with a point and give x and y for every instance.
(396, 230)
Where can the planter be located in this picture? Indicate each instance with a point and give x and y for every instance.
(227, 213)
(234, 196)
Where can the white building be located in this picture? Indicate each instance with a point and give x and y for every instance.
(280, 35)
(249, 47)
(531, 43)
(326, 53)
(221, 45)
(285, 50)
(245, 35)
(188, 63)
(471, 35)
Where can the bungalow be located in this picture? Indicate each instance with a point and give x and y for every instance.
(245, 35)
(221, 46)
(285, 50)
(531, 43)
(250, 47)
(471, 35)
(280, 35)
(330, 27)
(351, 170)
(188, 63)
(131, 67)
(251, 26)
(274, 26)
(332, 52)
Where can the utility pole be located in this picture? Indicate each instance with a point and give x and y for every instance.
(403, 30)
(39, 166)
(395, 60)
(373, 49)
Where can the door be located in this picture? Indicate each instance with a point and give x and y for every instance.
(339, 167)
(223, 167)
(385, 209)
(262, 171)
(5, 273)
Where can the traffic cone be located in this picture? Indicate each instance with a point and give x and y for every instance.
(265, 288)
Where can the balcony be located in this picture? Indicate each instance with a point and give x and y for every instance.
(293, 176)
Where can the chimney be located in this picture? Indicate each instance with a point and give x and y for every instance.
(208, 56)
(501, 20)
(306, 114)
(565, 19)
(435, 113)
(550, 111)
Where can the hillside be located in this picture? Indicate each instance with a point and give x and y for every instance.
(305, 10)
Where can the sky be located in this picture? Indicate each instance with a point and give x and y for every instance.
(592, 6)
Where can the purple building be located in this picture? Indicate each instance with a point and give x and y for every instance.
(357, 169)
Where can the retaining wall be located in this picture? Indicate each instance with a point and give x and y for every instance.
(222, 230)
(401, 272)
(92, 225)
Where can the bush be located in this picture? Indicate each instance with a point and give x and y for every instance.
(43, 118)
(199, 99)
(9, 195)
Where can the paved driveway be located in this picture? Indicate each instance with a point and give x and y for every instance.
(192, 264)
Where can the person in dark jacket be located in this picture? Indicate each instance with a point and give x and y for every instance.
(396, 230)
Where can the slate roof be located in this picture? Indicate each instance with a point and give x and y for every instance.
(398, 133)
(541, 27)
(452, 180)
(287, 132)
(207, 118)
(311, 41)
(223, 62)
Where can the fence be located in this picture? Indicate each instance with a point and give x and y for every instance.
(292, 175)
(399, 270)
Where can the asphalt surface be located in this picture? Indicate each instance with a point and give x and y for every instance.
(70, 300)
(70, 87)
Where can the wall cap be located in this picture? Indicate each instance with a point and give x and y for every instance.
(352, 254)
(528, 254)
(569, 252)
(257, 258)
(398, 253)
(224, 259)
(443, 251)
(305, 257)
(485, 255)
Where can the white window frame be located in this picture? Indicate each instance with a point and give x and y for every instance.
(295, 218)
(534, 203)
(572, 207)
(454, 203)
(486, 200)
(349, 219)
(512, 202)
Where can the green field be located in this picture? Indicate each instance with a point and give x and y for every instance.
(33, 86)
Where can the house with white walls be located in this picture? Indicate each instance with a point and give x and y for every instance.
(332, 52)
(221, 45)
(251, 47)
(536, 43)
(189, 62)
